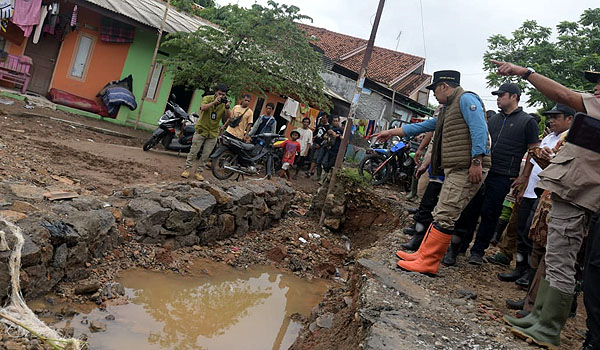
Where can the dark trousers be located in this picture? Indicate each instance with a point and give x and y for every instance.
(525, 216)
(591, 279)
(428, 203)
(496, 188)
(467, 223)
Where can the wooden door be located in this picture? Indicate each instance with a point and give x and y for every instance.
(44, 55)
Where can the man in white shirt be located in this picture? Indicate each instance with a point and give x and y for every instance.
(560, 119)
(305, 141)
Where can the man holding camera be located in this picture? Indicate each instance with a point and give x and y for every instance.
(238, 126)
(214, 109)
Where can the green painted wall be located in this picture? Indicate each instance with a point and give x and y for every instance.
(138, 64)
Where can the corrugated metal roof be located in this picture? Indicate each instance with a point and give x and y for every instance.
(151, 12)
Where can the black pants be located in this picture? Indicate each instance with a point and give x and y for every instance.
(525, 216)
(467, 223)
(591, 279)
(428, 203)
(496, 188)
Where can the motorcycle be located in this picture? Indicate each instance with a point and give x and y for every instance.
(175, 129)
(396, 165)
(236, 157)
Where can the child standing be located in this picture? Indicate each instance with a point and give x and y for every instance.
(290, 149)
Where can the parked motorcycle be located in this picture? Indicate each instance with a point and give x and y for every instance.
(175, 129)
(394, 165)
(236, 157)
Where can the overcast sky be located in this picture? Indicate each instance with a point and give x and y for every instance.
(455, 31)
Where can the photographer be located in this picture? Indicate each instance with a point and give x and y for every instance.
(214, 109)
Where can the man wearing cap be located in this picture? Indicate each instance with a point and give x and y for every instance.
(573, 177)
(513, 131)
(460, 152)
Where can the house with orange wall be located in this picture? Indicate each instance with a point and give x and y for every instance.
(81, 63)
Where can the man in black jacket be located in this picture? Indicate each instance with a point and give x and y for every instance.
(513, 131)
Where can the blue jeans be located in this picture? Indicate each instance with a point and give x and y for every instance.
(496, 188)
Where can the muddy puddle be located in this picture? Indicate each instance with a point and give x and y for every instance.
(216, 307)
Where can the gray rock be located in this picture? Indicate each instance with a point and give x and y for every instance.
(87, 288)
(85, 203)
(28, 192)
(203, 204)
(240, 195)
(325, 320)
(459, 302)
(60, 256)
(96, 326)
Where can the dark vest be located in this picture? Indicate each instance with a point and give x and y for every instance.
(452, 139)
(509, 142)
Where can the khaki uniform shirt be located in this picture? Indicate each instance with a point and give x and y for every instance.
(574, 173)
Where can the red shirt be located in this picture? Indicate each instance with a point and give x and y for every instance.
(291, 148)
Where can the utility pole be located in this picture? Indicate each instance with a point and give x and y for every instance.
(357, 91)
(160, 34)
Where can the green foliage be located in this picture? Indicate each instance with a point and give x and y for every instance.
(351, 175)
(260, 49)
(575, 49)
(188, 5)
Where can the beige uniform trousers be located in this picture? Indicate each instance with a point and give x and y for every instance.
(457, 192)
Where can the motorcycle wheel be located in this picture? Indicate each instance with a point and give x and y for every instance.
(368, 166)
(227, 158)
(152, 141)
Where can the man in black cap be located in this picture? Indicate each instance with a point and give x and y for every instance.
(573, 177)
(513, 131)
(460, 152)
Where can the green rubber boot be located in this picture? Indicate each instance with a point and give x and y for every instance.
(533, 316)
(546, 332)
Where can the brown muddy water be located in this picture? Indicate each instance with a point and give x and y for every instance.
(216, 307)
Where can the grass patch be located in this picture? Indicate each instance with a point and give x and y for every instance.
(352, 175)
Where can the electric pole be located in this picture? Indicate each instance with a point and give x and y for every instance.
(357, 91)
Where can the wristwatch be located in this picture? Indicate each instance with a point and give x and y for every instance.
(528, 73)
(476, 161)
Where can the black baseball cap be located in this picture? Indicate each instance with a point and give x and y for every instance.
(511, 88)
(594, 77)
(444, 76)
(560, 108)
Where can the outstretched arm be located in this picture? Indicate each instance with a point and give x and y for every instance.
(548, 87)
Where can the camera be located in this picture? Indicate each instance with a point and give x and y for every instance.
(224, 100)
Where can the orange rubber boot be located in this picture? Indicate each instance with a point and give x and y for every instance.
(414, 256)
(430, 254)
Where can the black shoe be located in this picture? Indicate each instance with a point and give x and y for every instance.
(526, 280)
(451, 254)
(476, 259)
(515, 304)
(518, 272)
(410, 231)
(412, 210)
(499, 259)
(415, 242)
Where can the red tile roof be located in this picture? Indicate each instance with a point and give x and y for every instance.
(385, 65)
(411, 83)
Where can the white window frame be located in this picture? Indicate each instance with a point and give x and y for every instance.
(88, 57)
(155, 82)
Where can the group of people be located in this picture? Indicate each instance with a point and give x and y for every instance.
(475, 167)
(314, 150)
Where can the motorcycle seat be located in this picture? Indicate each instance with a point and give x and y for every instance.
(240, 144)
(189, 129)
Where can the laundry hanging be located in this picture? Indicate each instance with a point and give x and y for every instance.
(74, 18)
(113, 31)
(6, 9)
(27, 15)
(38, 29)
(290, 108)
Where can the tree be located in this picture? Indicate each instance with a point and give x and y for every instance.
(189, 5)
(575, 49)
(260, 49)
